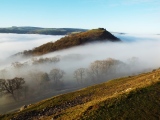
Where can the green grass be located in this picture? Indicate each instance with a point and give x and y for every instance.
(133, 97)
(140, 104)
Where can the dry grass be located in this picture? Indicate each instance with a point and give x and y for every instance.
(107, 100)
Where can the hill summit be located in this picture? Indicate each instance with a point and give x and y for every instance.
(72, 40)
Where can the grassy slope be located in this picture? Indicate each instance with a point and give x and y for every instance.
(73, 40)
(136, 97)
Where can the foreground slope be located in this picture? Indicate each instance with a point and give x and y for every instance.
(73, 40)
(133, 97)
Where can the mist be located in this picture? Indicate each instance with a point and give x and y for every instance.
(134, 55)
(13, 43)
(145, 48)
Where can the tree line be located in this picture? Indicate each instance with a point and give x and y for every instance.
(23, 85)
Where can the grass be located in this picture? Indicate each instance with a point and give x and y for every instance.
(73, 40)
(133, 97)
(142, 103)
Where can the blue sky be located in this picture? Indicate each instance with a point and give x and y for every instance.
(131, 16)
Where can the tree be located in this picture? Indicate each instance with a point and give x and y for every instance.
(79, 74)
(3, 73)
(110, 66)
(44, 80)
(37, 61)
(134, 61)
(56, 75)
(19, 68)
(39, 79)
(18, 65)
(1, 90)
(55, 59)
(11, 85)
(100, 69)
(95, 70)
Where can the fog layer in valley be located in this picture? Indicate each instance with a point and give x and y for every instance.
(13, 43)
(75, 67)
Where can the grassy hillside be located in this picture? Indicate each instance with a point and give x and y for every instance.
(73, 40)
(133, 97)
(38, 30)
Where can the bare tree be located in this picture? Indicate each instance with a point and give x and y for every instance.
(1, 87)
(11, 85)
(56, 75)
(19, 68)
(79, 74)
(110, 66)
(95, 70)
(39, 79)
(18, 65)
(55, 59)
(41, 60)
(43, 78)
(134, 61)
(100, 69)
(44, 81)
(3, 73)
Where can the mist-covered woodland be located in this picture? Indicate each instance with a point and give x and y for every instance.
(23, 79)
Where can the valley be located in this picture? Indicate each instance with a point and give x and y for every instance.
(79, 67)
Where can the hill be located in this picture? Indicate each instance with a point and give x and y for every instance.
(133, 97)
(73, 40)
(38, 30)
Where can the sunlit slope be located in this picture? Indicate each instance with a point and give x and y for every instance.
(94, 35)
(133, 97)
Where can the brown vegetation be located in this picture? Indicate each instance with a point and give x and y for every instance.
(73, 40)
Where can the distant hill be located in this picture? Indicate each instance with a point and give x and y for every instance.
(72, 40)
(38, 30)
(128, 98)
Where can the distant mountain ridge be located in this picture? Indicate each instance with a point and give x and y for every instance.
(39, 30)
(72, 40)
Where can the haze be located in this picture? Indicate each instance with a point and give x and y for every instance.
(145, 48)
(13, 43)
